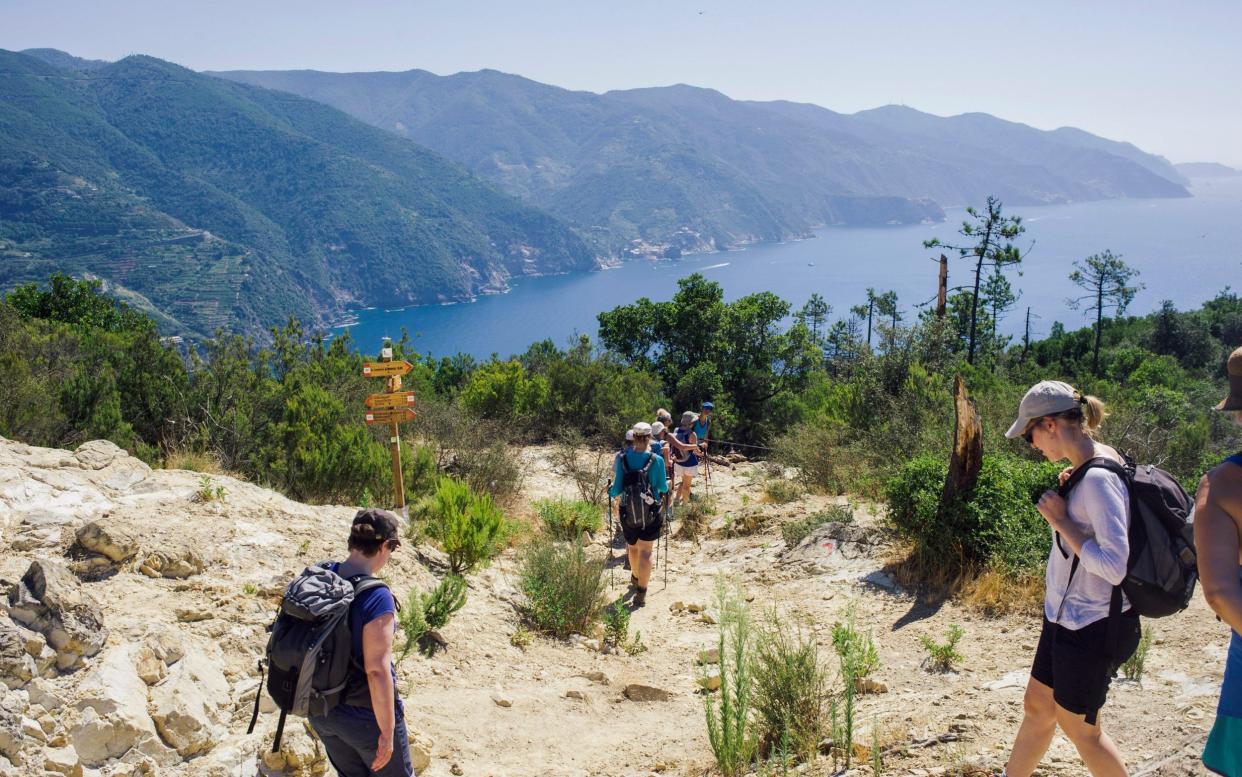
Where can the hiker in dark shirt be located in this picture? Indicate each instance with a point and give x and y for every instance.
(365, 735)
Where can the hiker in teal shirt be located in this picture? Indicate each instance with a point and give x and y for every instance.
(639, 509)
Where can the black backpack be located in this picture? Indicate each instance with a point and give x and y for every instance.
(639, 507)
(309, 658)
(1162, 569)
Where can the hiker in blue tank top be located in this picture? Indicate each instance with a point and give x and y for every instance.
(640, 540)
(366, 735)
(703, 425)
(1218, 542)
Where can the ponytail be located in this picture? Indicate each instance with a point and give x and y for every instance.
(1093, 413)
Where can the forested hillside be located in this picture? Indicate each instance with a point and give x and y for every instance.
(212, 204)
(661, 170)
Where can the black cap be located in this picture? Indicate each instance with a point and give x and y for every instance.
(374, 525)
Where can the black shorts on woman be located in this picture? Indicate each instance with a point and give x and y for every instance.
(648, 533)
(1079, 664)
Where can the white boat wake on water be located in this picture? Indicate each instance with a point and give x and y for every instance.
(715, 266)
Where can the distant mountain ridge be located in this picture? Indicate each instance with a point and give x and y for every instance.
(212, 203)
(686, 168)
(1207, 170)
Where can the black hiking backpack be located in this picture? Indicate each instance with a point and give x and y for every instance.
(639, 506)
(1162, 568)
(309, 658)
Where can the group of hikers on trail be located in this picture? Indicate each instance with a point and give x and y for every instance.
(1123, 546)
(640, 483)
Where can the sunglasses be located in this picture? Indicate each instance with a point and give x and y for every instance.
(1028, 434)
(393, 544)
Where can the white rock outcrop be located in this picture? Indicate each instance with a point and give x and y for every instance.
(188, 706)
(113, 715)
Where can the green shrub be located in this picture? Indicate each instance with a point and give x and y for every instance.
(780, 491)
(504, 391)
(419, 470)
(790, 692)
(616, 624)
(469, 526)
(563, 586)
(425, 612)
(855, 649)
(617, 629)
(1132, 668)
(520, 638)
(795, 532)
(943, 656)
(996, 524)
(566, 519)
(730, 729)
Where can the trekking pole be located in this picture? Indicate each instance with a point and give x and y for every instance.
(612, 573)
(665, 532)
(707, 464)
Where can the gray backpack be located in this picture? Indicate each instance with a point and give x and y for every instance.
(309, 661)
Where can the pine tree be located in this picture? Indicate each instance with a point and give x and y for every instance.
(1106, 279)
(994, 233)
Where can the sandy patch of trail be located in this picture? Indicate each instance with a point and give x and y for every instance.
(253, 540)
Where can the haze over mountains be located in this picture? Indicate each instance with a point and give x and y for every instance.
(691, 169)
(209, 201)
(219, 204)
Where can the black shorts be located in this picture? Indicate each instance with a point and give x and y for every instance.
(649, 533)
(1079, 666)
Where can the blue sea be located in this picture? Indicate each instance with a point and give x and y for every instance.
(1186, 250)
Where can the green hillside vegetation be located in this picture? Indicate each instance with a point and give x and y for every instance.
(669, 169)
(219, 204)
(874, 421)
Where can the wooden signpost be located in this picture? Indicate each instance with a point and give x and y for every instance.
(391, 407)
(398, 400)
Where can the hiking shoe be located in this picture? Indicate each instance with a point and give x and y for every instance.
(633, 581)
(640, 597)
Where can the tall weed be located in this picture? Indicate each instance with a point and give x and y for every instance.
(564, 586)
(791, 690)
(730, 729)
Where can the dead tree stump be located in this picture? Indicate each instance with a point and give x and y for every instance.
(967, 456)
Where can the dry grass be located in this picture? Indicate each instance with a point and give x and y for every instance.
(995, 593)
(990, 592)
(194, 461)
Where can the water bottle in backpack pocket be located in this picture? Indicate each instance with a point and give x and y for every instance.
(309, 658)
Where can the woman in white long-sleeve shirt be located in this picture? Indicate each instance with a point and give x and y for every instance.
(1080, 646)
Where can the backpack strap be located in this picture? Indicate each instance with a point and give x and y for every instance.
(1126, 473)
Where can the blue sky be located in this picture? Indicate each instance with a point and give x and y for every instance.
(1166, 76)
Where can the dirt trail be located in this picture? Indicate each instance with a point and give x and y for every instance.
(253, 540)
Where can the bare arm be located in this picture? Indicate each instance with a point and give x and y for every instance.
(377, 660)
(1217, 545)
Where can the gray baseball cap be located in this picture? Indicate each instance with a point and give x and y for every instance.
(1044, 398)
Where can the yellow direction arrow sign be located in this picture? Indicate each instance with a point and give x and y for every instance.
(399, 399)
(385, 369)
(389, 416)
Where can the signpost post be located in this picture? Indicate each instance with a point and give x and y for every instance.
(392, 407)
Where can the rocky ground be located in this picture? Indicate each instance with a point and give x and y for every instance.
(137, 607)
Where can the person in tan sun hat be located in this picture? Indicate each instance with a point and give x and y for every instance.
(1218, 545)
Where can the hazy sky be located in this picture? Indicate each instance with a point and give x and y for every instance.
(1166, 76)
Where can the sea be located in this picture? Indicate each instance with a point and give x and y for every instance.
(1186, 250)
